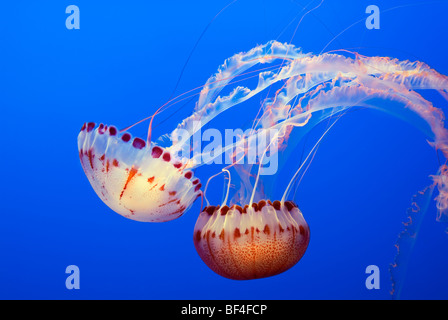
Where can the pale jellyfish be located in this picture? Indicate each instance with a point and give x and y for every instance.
(140, 179)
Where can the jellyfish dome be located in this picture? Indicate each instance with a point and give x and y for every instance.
(139, 181)
(251, 242)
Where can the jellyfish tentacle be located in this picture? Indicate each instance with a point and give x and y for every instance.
(407, 238)
(312, 88)
(343, 92)
(241, 62)
(309, 69)
(206, 110)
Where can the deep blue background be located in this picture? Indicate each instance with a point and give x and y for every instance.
(118, 68)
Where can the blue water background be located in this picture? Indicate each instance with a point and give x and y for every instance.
(120, 67)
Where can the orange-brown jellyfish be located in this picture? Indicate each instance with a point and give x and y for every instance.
(257, 241)
(309, 89)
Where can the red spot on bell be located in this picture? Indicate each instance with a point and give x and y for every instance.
(126, 137)
(138, 143)
(90, 126)
(177, 165)
(101, 129)
(166, 157)
(113, 131)
(156, 152)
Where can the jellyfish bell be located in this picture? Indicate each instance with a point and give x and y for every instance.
(139, 181)
(256, 240)
(251, 242)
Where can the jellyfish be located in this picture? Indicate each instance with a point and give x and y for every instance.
(257, 241)
(302, 90)
(312, 88)
(139, 178)
(140, 181)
